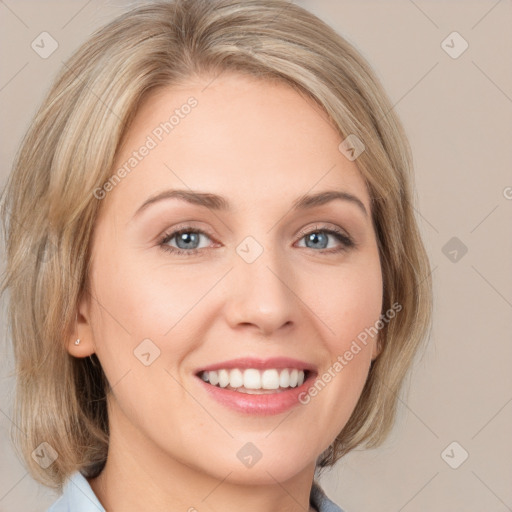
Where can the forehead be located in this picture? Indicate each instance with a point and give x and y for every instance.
(235, 136)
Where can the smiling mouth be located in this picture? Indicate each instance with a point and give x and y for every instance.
(256, 382)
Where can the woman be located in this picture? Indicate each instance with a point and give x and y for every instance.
(217, 284)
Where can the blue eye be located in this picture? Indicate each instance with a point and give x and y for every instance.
(320, 239)
(187, 240)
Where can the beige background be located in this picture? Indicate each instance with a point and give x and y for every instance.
(458, 114)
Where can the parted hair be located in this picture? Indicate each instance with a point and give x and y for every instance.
(49, 207)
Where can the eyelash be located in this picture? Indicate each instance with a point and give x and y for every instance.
(346, 241)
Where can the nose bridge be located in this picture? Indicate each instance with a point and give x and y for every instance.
(261, 292)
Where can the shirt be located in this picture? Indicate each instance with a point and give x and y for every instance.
(78, 496)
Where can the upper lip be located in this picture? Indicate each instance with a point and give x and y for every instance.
(261, 364)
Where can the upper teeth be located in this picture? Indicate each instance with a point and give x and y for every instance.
(252, 378)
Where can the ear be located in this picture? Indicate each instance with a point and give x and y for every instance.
(81, 330)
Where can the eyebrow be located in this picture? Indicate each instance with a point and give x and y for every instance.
(219, 203)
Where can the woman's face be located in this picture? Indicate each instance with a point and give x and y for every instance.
(250, 276)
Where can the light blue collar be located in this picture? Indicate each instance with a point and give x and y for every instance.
(77, 496)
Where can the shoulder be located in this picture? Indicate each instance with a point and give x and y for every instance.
(320, 501)
(77, 496)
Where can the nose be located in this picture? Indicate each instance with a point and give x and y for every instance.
(260, 294)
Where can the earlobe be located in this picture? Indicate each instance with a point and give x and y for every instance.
(80, 346)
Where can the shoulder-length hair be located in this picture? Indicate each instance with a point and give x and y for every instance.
(50, 207)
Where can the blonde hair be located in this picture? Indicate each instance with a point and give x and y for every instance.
(49, 207)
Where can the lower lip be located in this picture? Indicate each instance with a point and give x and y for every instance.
(260, 405)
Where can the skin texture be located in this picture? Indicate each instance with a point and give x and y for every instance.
(261, 145)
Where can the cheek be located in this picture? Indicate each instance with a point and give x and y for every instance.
(142, 334)
(349, 308)
(349, 301)
(145, 307)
